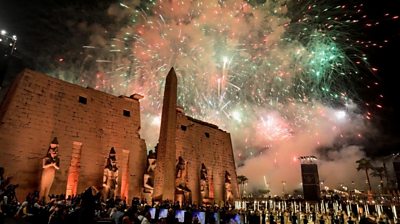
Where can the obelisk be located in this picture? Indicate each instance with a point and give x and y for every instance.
(164, 174)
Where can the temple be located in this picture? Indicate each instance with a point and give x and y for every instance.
(87, 124)
(189, 165)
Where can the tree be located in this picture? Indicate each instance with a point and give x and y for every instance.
(365, 164)
(242, 180)
(384, 160)
(379, 172)
(263, 192)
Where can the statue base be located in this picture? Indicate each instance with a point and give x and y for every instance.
(208, 201)
(148, 195)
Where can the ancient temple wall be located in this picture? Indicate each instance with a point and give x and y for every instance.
(38, 108)
(199, 142)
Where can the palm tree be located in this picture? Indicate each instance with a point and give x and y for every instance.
(242, 180)
(384, 160)
(263, 192)
(365, 164)
(379, 172)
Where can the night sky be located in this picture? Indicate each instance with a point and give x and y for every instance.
(387, 61)
(48, 30)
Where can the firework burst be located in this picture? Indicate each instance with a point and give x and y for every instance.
(273, 68)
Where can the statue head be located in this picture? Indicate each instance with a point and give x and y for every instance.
(181, 160)
(52, 152)
(112, 160)
(203, 171)
(227, 177)
(152, 155)
(112, 152)
(54, 143)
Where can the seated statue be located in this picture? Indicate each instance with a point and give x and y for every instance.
(203, 179)
(228, 187)
(147, 183)
(7, 190)
(149, 174)
(151, 162)
(3, 181)
(110, 177)
(180, 167)
(50, 163)
(180, 180)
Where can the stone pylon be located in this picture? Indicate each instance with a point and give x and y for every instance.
(164, 175)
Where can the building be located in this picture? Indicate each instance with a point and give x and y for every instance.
(86, 122)
(195, 161)
(202, 143)
(310, 178)
(192, 144)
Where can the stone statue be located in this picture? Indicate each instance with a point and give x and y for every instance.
(3, 181)
(50, 163)
(203, 181)
(151, 162)
(147, 183)
(228, 187)
(182, 192)
(180, 167)
(110, 177)
(149, 174)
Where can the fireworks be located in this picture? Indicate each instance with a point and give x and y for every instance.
(263, 71)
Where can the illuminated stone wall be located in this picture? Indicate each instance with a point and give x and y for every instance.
(196, 142)
(86, 122)
(200, 142)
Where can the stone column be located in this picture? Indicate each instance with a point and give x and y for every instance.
(164, 182)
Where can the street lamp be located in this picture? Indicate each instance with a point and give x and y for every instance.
(8, 41)
(283, 188)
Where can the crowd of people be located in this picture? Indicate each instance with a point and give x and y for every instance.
(89, 207)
